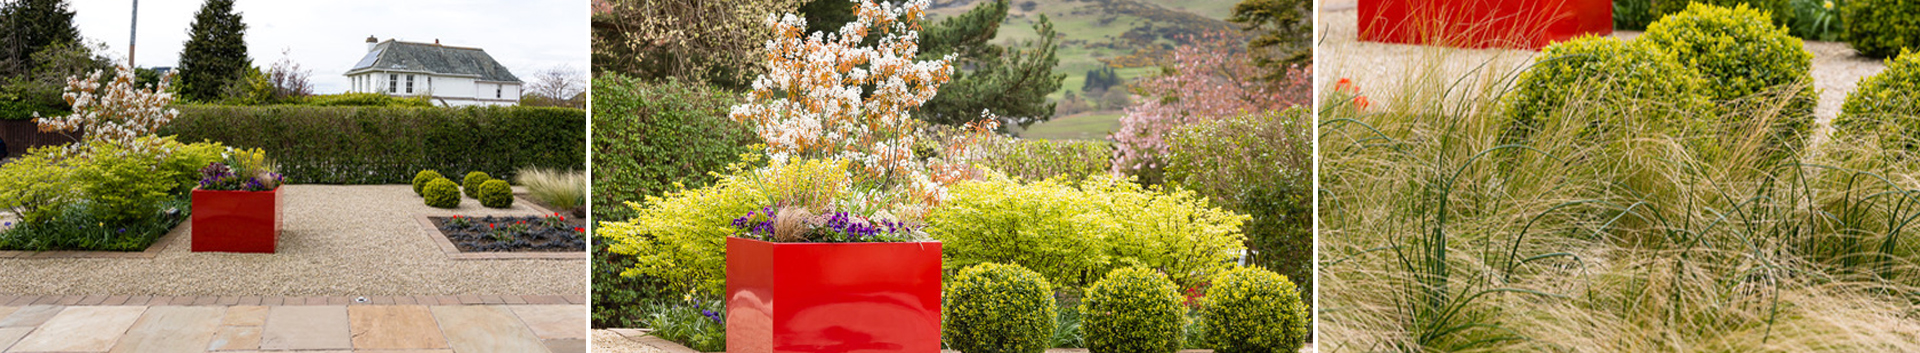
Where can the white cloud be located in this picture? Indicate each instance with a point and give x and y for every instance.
(329, 36)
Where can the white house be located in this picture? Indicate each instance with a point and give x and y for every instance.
(447, 75)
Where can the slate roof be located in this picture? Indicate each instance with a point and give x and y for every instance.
(434, 58)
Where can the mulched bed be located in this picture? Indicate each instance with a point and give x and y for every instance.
(513, 234)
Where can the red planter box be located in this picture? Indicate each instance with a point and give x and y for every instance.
(832, 297)
(1524, 24)
(236, 221)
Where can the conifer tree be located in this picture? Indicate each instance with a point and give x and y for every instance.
(29, 26)
(1283, 32)
(215, 55)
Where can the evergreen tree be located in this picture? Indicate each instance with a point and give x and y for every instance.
(1100, 80)
(216, 53)
(1283, 32)
(29, 26)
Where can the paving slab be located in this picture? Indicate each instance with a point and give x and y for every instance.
(306, 328)
(81, 329)
(12, 334)
(235, 338)
(554, 321)
(30, 316)
(567, 345)
(476, 329)
(394, 327)
(245, 316)
(172, 329)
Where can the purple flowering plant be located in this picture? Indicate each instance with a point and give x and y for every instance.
(242, 170)
(798, 225)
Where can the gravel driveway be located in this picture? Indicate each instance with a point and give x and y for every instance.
(335, 241)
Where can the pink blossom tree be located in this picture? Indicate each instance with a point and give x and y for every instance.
(1211, 78)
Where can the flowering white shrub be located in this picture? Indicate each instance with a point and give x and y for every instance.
(115, 112)
(813, 101)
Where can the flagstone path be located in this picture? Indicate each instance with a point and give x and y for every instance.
(295, 327)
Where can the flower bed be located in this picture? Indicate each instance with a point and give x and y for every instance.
(551, 233)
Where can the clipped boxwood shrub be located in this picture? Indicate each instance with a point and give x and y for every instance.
(471, 183)
(420, 180)
(1881, 28)
(1132, 310)
(1886, 104)
(496, 194)
(1606, 71)
(1780, 12)
(387, 145)
(442, 193)
(1249, 310)
(1739, 54)
(996, 308)
(649, 136)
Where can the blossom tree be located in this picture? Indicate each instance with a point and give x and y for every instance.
(1210, 79)
(115, 112)
(813, 102)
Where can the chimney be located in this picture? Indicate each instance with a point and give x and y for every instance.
(371, 41)
(436, 41)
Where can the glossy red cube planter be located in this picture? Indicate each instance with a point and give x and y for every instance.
(1522, 24)
(236, 221)
(832, 297)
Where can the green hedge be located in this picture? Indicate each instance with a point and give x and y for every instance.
(1881, 28)
(381, 145)
(648, 136)
(1258, 164)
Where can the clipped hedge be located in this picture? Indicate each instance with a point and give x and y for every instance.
(1881, 28)
(496, 194)
(1780, 12)
(1886, 102)
(1132, 310)
(1034, 159)
(995, 308)
(1252, 310)
(442, 193)
(471, 183)
(420, 180)
(1740, 55)
(1606, 71)
(649, 136)
(381, 145)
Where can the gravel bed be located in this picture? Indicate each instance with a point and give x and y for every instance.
(1379, 68)
(334, 241)
(605, 341)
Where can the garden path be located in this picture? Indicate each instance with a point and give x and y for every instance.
(163, 325)
(336, 240)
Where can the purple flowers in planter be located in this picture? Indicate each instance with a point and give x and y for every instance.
(218, 176)
(797, 225)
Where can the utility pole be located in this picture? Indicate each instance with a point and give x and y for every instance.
(133, 31)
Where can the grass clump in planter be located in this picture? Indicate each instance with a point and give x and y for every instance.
(496, 194)
(442, 193)
(1250, 309)
(420, 180)
(1744, 61)
(996, 308)
(471, 184)
(1132, 310)
(1601, 71)
(1888, 101)
(563, 191)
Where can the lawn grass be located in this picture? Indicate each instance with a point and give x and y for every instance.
(1083, 126)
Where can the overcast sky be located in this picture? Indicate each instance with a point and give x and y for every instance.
(328, 37)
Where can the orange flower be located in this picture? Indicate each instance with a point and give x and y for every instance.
(1361, 102)
(1346, 86)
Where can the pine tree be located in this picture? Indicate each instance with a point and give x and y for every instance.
(1283, 32)
(27, 27)
(216, 52)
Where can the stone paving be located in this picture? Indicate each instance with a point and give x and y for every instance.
(638, 341)
(411, 327)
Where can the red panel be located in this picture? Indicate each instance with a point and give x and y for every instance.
(832, 297)
(236, 221)
(1524, 24)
